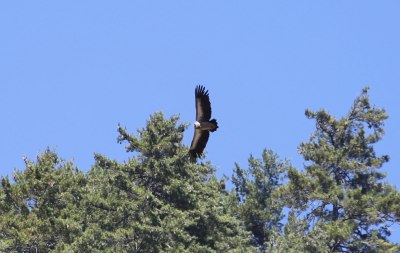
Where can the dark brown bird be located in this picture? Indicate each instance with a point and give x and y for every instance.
(203, 125)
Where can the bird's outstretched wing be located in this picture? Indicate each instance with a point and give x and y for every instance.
(203, 105)
(199, 142)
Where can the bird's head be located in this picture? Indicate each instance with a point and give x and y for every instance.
(196, 124)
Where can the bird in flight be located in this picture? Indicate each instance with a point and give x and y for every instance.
(203, 125)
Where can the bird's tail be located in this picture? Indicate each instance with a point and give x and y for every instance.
(214, 121)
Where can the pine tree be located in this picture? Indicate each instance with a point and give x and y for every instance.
(158, 200)
(342, 195)
(40, 211)
(256, 189)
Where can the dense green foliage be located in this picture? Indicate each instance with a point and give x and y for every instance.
(256, 189)
(341, 203)
(161, 201)
(41, 211)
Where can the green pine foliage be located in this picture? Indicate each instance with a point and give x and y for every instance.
(159, 200)
(256, 190)
(342, 196)
(40, 212)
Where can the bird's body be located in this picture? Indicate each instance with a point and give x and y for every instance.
(203, 125)
(206, 125)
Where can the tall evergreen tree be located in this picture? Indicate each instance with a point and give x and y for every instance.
(256, 188)
(40, 211)
(158, 201)
(342, 194)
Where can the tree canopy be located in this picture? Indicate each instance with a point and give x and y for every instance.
(160, 200)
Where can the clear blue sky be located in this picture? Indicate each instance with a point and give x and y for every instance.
(70, 71)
